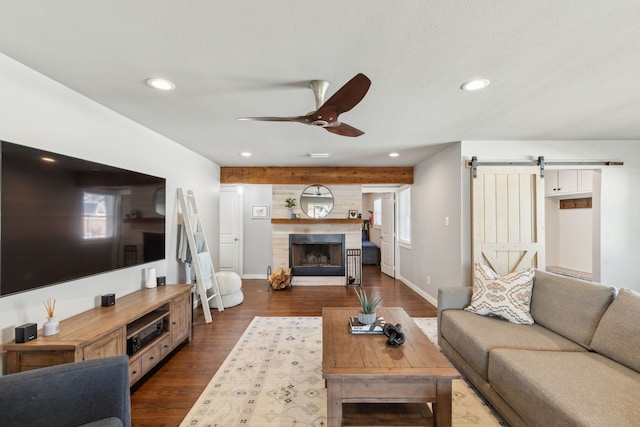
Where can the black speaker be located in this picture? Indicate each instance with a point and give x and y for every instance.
(26, 332)
(161, 281)
(108, 300)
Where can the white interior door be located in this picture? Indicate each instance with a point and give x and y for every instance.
(230, 244)
(508, 218)
(388, 235)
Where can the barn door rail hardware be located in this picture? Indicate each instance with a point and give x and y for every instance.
(474, 163)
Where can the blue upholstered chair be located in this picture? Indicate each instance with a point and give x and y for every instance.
(90, 393)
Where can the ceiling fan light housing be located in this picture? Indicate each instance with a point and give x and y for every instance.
(320, 123)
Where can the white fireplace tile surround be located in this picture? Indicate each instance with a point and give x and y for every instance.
(346, 198)
(352, 238)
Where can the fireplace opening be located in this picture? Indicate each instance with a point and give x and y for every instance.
(316, 254)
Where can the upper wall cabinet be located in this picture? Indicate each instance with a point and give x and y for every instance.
(585, 181)
(572, 181)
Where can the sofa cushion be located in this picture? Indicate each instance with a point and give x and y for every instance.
(549, 388)
(570, 307)
(473, 337)
(617, 335)
(107, 422)
(507, 297)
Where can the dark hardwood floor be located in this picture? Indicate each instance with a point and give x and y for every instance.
(165, 396)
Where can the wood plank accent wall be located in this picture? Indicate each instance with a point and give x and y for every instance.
(345, 198)
(315, 175)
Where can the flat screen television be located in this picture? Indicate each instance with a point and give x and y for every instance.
(63, 218)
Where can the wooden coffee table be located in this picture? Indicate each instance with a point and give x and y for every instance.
(362, 368)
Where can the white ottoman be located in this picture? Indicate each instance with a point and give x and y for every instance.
(230, 286)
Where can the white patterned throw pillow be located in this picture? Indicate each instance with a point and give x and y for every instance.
(507, 297)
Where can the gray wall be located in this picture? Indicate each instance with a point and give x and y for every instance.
(256, 249)
(436, 254)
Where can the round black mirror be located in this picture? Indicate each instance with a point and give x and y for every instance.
(316, 201)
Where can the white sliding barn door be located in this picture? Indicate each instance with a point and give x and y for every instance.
(508, 218)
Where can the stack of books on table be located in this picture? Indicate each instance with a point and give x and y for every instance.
(355, 327)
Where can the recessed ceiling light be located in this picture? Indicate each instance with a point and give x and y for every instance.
(394, 154)
(475, 84)
(47, 159)
(245, 154)
(161, 84)
(319, 155)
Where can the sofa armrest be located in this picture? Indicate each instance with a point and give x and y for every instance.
(457, 297)
(68, 395)
(452, 298)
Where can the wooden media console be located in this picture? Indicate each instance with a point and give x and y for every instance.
(105, 331)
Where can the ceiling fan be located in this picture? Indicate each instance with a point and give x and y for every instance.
(327, 113)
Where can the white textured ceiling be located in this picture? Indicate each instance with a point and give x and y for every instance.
(559, 70)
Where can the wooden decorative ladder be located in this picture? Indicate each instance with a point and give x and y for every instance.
(200, 255)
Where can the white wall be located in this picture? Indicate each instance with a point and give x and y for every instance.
(568, 236)
(38, 112)
(575, 239)
(620, 198)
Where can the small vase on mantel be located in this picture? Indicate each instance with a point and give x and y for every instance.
(366, 318)
(50, 327)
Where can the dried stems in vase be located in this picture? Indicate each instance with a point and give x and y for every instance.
(50, 306)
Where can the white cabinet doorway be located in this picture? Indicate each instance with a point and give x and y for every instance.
(388, 235)
(383, 231)
(573, 229)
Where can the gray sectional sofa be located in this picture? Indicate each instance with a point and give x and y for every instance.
(577, 365)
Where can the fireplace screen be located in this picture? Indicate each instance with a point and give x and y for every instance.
(316, 254)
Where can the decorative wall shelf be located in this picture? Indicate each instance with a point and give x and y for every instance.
(316, 221)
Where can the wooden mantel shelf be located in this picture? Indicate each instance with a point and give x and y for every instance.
(316, 221)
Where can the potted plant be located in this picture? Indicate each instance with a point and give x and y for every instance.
(289, 203)
(367, 315)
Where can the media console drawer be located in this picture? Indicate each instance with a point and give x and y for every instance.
(135, 371)
(103, 331)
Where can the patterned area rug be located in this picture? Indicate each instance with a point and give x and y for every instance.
(273, 377)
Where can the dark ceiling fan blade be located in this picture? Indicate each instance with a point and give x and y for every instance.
(348, 96)
(299, 119)
(344, 130)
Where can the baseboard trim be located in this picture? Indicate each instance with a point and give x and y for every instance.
(254, 276)
(419, 291)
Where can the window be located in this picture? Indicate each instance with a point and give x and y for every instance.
(99, 216)
(377, 212)
(404, 215)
